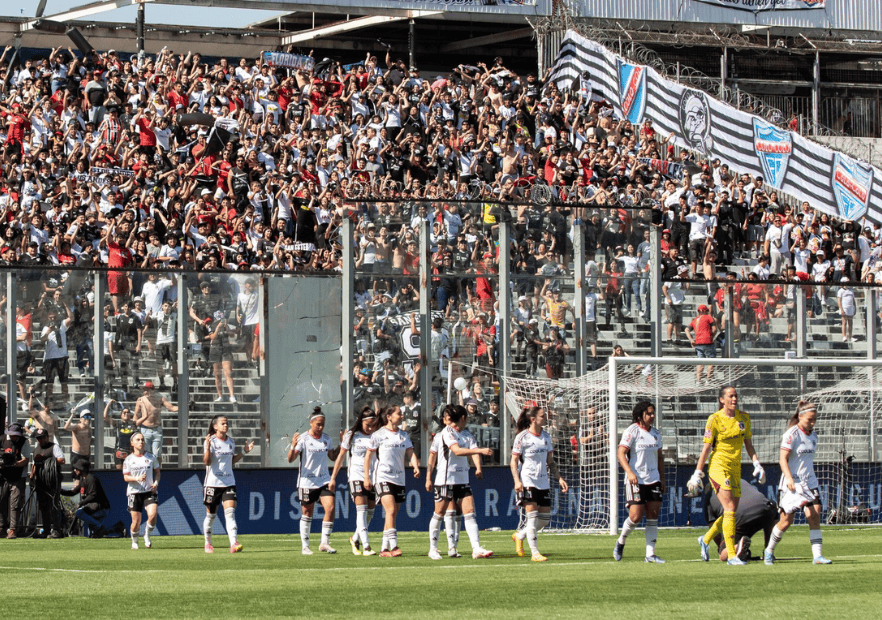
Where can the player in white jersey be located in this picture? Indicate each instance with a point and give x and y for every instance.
(798, 488)
(141, 471)
(393, 449)
(356, 441)
(532, 465)
(219, 455)
(451, 450)
(640, 455)
(314, 483)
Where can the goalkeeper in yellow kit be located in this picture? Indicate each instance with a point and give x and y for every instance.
(725, 433)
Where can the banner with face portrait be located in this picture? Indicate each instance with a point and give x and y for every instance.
(768, 5)
(829, 180)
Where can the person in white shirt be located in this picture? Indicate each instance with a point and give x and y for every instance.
(314, 483)
(847, 309)
(532, 465)
(141, 472)
(219, 455)
(450, 451)
(640, 455)
(798, 488)
(775, 245)
(356, 442)
(393, 450)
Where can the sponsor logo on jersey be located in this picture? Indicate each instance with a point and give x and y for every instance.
(773, 147)
(740, 426)
(727, 482)
(708, 434)
(632, 91)
(851, 182)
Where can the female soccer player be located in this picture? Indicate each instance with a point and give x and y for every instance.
(141, 471)
(357, 440)
(725, 433)
(314, 483)
(532, 460)
(219, 455)
(451, 449)
(797, 457)
(393, 449)
(640, 455)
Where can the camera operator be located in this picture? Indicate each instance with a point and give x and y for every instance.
(46, 477)
(94, 505)
(16, 452)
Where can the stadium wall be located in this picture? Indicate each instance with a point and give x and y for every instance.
(267, 500)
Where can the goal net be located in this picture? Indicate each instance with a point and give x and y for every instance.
(588, 414)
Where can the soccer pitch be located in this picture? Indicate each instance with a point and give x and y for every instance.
(82, 578)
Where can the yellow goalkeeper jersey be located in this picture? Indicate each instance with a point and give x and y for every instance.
(727, 436)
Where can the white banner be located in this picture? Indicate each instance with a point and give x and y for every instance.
(829, 180)
(290, 61)
(768, 5)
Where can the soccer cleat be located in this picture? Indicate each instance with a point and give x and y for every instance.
(821, 560)
(209, 548)
(148, 544)
(326, 548)
(396, 552)
(453, 553)
(236, 547)
(743, 549)
(385, 553)
(519, 545)
(736, 562)
(368, 551)
(705, 554)
(306, 551)
(768, 557)
(538, 557)
(434, 554)
(617, 552)
(356, 545)
(134, 545)
(653, 559)
(481, 553)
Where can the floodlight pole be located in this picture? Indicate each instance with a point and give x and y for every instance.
(411, 43)
(871, 375)
(139, 28)
(11, 347)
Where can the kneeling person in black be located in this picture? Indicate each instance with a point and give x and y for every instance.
(94, 504)
(755, 513)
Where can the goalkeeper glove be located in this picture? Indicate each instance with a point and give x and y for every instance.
(759, 473)
(694, 486)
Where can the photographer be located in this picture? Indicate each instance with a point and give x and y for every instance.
(94, 505)
(16, 452)
(46, 477)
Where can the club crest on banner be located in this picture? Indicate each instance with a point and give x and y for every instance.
(851, 186)
(773, 147)
(695, 121)
(632, 91)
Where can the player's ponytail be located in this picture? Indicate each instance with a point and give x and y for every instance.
(456, 413)
(527, 416)
(804, 406)
(639, 410)
(211, 425)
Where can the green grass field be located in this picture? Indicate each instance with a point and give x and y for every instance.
(81, 578)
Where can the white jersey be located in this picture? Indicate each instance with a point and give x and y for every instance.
(801, 459)
(313, 461)
(533, 451)
(391, 448)
(643, 446)
(220, 472)
(137, 465)
(357, 444)
(451, 469)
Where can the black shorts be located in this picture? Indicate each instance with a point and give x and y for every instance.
(356, 489)
(139, 501)
(590, 332)
(22, 362)
(642, 494)
(455, 492)
(167, 353)
(532, 495)
(310, 496)
(395, 490)
(56, 367)
(212, 497)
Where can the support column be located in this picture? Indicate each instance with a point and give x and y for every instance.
(871, 375)
(505, 306)
(730, 322)
(800, 322)
(816, 92)
(411, 43)
(724, 71)
(579, 297)
(348, 339)
(98, 366)
(183, 371)
(262, 375)
(11, 348)
(139, 28)
(655, 292)
(425, 322)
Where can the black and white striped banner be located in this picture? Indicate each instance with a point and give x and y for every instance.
(829, 180)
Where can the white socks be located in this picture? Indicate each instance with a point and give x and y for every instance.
(627, 527)
(206, 526)
(390, 539)
(450, 528)
(651, 536)
(305, 526)
(471, 525)
(361, 521)
(232, 528)
(148, 529)
(817, 542)
(434, 530)
(775, 538)
(327, 528)
(532, 530)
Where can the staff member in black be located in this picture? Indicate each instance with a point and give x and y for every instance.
(94, 504)
(755, 513)
(125, 427)
(46, 476)
(15, 452)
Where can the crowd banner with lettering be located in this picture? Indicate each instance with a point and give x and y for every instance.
(123, 172)
(768, 5)
(830, 181)
(289, 61)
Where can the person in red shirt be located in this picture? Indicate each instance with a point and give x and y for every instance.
(178, 99)
(145, 120)
(16, 126)
(701, 333)
(118, 255)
